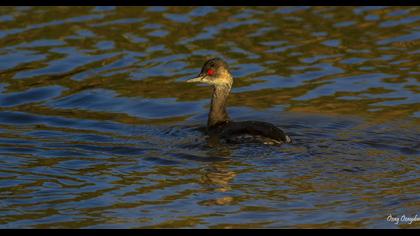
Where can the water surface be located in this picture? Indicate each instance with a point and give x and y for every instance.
(98, 128)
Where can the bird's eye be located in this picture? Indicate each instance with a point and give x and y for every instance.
(210, 72)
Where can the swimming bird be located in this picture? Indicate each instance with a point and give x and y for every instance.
(215, 72)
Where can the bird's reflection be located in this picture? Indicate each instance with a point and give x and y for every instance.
(218, 175)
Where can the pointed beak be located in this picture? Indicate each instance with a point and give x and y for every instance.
(196, 80)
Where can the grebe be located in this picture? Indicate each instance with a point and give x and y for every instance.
(215, 72)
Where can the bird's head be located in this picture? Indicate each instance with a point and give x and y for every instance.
(214, 72)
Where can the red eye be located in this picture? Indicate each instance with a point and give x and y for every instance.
(210, 72)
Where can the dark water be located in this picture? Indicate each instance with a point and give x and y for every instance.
(99, 130)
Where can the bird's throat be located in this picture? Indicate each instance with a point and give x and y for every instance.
(218, 112)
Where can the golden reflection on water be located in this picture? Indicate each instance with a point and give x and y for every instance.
(353, 39)
(100, 124)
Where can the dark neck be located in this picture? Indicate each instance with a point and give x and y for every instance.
(218, 112)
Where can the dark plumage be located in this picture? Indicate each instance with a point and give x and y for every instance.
(216, 73)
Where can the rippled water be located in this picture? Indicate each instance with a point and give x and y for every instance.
(98, 128)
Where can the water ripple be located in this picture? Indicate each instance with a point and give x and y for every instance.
(98, 128)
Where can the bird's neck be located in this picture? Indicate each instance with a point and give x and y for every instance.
(218, 112)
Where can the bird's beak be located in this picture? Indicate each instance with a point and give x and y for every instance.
(197, 79)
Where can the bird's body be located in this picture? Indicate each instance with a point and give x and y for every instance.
(216, 73)
(249, 131)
